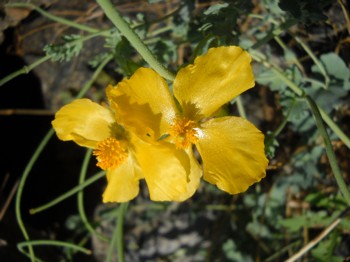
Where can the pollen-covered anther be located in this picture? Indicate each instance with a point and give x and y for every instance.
(184, 132)
(110, 153)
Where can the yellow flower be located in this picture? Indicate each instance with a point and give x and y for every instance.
(231, 148)
(169, 172)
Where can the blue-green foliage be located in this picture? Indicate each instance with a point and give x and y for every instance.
(64, 52)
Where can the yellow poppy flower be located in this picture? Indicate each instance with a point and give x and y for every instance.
(169, 172)
(231, 148)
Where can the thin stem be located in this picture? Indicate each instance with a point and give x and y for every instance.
(284, 122)
(133, 38)
(316, 82)
(68, 194)
(161, 30)
(117, 237)
(24, 70)
(55, 18)
(53, 243)
(94, 76)
(291, 53)
(329, 150)
(314, 58)
(26, 172)
(27, 69)
(335, 128)
(120, 223)
(81, 197)
(240, 107)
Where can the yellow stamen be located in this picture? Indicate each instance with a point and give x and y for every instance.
(184, 132)
(110, 153)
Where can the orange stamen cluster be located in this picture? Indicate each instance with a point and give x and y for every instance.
(110, 153)
(183, 130)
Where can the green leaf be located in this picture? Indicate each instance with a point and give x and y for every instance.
(336, 69)
(66, 51)
(310, 219)
(325, 249)
(232, 254)
(113, 39)
(327, 201)
(294, 224)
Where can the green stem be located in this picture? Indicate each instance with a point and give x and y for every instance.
(133, 38)
(120, 223)
(286, 50)
(27, 69)
(240, 107)
(316, 82)
(161, 30)
(24, 70)
(52, 243)
(94, 76)
(26, 172)
(284, 122)
(329, 150)
(81, 210)
(55, 18)
(117, 237)
(68, 194)
(335, 128)
(314, 58)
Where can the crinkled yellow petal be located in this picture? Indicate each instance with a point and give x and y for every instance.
(169, 173)
(84, 122)
(214, 79)
(232, 150)
(143, 103)
(123, 182)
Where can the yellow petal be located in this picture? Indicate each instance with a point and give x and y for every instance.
(193, 177)
(84, 122)
(214, 79)
(143, 103)
(169, 173)
(232, 150)
(123, 182)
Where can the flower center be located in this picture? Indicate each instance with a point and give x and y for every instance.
(110, 153)
(184, 132)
